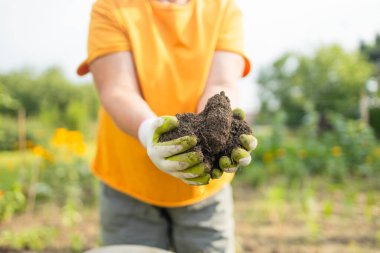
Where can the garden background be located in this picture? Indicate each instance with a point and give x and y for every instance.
(313, 185)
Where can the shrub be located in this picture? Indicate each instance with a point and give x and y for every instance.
(348, 149)
(374, 120)
(9, 134)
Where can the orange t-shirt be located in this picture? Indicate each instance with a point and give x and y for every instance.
(172, 47)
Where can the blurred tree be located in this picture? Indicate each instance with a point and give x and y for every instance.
(6, 100)
(54, 89)
(372, 53)
(20, 86)
(89, 99)
(50, 97)
(329, 80)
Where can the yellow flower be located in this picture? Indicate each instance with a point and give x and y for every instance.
(268, 157)
(75, 142)
(280, 152)
(377, 152)
(336, 151)
(72, 141)
(73, 137)
(80, 149)
(38, 150)
(1, 194)
(60, 137)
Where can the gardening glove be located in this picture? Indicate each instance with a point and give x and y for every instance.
(239, 156)
(170, 156)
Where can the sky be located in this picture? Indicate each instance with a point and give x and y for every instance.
(42, 33)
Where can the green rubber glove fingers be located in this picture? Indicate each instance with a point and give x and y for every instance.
(241, 156)
(197, 170)
(176, 146)
(248, 141)
(182, 161)
(238, 114)
(227, 165)
(169, 148)
(224, 162)
(201, 180)
(173, 157)
(162, 125)
(216, 173)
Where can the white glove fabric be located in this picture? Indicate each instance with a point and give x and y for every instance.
(170, 156)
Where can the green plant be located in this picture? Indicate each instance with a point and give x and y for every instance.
(62, 165)
(330, 79)
(348, 149)
(311, 214)
(12, 201)
(48, 96)
(35, 239)
(374, 120)
(9, 134)
(328, 207)
(355, 138)
(377, 238)
(76, 243)
(76, 115)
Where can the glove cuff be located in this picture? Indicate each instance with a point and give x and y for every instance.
(145, 131)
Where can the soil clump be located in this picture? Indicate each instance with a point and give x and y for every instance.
(215, 127)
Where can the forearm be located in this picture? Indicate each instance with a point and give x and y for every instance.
(230, 90)
(127, 109)
(116, 81)
(225, 72)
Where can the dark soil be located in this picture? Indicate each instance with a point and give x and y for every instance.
(215, 127)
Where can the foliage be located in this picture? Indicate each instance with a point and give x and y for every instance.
(63, 161)
(313, 210)
(49, 96)
(348, 150)
(59, 172)
(374, 119)
(33, 239)
(76, 115)
(371, 51)
(12, 201)
(306, 88)
(329, 81)
(6, 100)
(372, 54)
(357, 143)
(9, 133)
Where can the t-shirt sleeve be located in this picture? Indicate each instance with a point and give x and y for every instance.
(106, 34)
(231, 35)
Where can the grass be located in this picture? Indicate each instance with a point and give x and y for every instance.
(278, 215)
(275, 217)
(11, 159)
(10, 164)
(313, 217)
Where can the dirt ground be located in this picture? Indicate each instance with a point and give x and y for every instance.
(265, 222)
(267, 226)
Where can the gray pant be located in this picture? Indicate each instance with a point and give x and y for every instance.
(207, 226)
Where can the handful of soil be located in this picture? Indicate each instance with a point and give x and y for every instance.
(216, 129)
